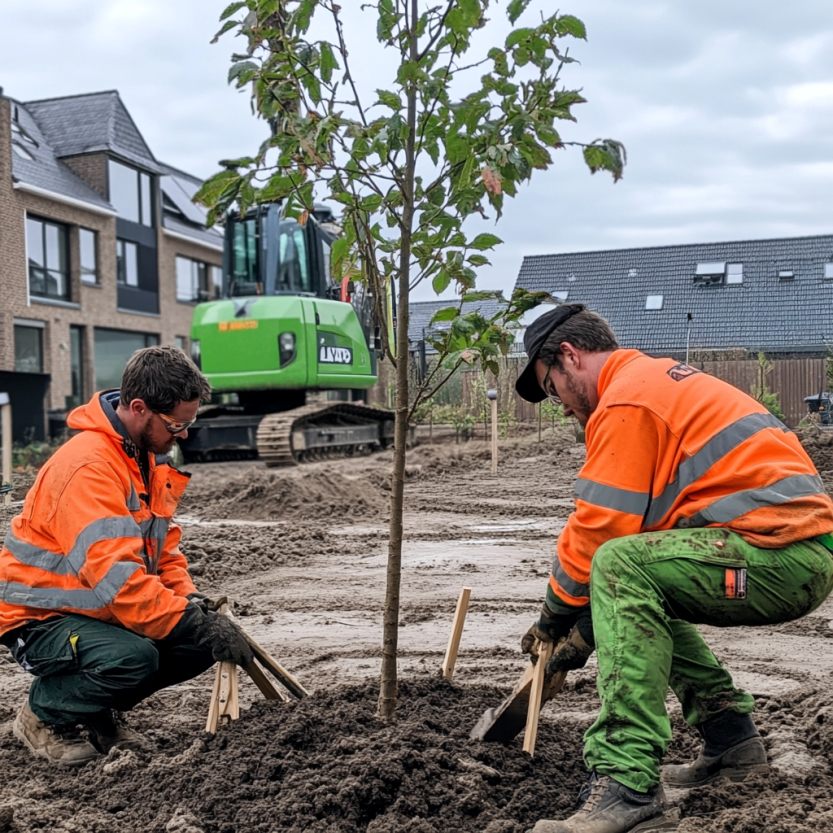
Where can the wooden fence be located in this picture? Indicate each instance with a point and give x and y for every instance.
(790, 379)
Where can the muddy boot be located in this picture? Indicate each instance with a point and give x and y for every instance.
(64, 745)
(732, 748)
(109, 730)
(611, 807)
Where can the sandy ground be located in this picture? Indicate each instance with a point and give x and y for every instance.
(302, 553)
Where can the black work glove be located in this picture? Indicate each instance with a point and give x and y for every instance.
(203, 602)
(550, 627)
(226, 640)
(574, 651)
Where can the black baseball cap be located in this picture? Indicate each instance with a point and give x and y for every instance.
(534, 338)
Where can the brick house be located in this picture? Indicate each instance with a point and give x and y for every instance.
(101, 251)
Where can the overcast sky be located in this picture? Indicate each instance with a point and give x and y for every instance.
(726, 110)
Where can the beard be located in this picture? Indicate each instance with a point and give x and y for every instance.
(146, 443)
(582, 409)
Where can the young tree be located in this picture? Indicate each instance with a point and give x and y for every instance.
(438, 144)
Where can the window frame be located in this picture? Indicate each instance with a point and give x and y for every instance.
(89, 277)
(142, 186)
(62, 249)
(34, 326)
(122, 273)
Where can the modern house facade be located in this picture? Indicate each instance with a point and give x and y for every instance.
(101, 251)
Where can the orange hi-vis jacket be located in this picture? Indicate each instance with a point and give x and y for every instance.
(93, 538)
(669, 447)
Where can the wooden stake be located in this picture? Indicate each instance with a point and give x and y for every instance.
(545, 650)
(224, 706)
(456, 632)
(6, 445)
(494, 436)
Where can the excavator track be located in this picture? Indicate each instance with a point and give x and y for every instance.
(319, 431)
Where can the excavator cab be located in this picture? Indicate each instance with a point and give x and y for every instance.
(282, 329)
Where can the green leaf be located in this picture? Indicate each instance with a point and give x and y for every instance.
(441, 281)
(229, 10)
(606, 155)
(371, 203)
(445, 314)
(569, 25)
(485, 241)
(389, 99)
(470, 10)
(229, 24)
(483, 295)
(303, 14)
(327, 62)
(515, 9)
(242, 68)
(217, 186)
(517, 36)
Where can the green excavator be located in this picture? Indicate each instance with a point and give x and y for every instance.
(283, 329)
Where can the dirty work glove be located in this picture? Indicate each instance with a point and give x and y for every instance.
(550, 627)
(226, 640)
(574, 651)
(202, 601)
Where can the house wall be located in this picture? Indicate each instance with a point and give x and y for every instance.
(89, 306)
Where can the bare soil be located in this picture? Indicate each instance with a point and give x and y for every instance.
(302, 552)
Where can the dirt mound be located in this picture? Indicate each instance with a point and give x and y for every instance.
(326, 765)
(818, 443)
(260, 494)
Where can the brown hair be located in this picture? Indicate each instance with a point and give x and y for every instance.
(586, 330)
(162, 377)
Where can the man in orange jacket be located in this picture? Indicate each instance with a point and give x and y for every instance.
(694, 505)
(95, 596)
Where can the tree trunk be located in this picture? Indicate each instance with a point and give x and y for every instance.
(390, 630)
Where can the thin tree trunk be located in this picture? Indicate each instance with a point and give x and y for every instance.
(390, 633)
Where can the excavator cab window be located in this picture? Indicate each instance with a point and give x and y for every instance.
(243, 269)
(293, 260)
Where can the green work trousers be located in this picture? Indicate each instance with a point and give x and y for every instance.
(646, 590)
(83, 666)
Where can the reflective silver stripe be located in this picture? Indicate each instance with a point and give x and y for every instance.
(32, 556)
(698, 464)
(566, 583)
(733, 506)
(64, 565)
(621, 500)
(101, 530)
(159, 530)
(52, 598)
(133, 502)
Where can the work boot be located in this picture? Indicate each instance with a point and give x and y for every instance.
(64, 745)
(732, 748)
(611, 807)
(109, 730)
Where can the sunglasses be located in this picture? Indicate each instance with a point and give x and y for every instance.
(172, 426)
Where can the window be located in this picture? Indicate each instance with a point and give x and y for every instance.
(76, 367)
(112, 350)
(653, 302)
(127, 263)
(131, 193)
(88, 248)
(711, 268)
(828, 271)
(22, 152)
(28, 347)
(734, 273)
(197, 281)
(786, 275)
(561, 295)
(181, 342)
(46, 245)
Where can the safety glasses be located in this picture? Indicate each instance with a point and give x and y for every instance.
(172, 426)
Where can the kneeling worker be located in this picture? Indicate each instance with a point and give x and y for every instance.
(694, 505)
(95, 596)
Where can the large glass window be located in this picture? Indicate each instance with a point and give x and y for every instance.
(28, 348)
(197, 281)
(88, 250)
(76, 365)
(127, 263)
(131, 193)
(112, 350)
(46, 245)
